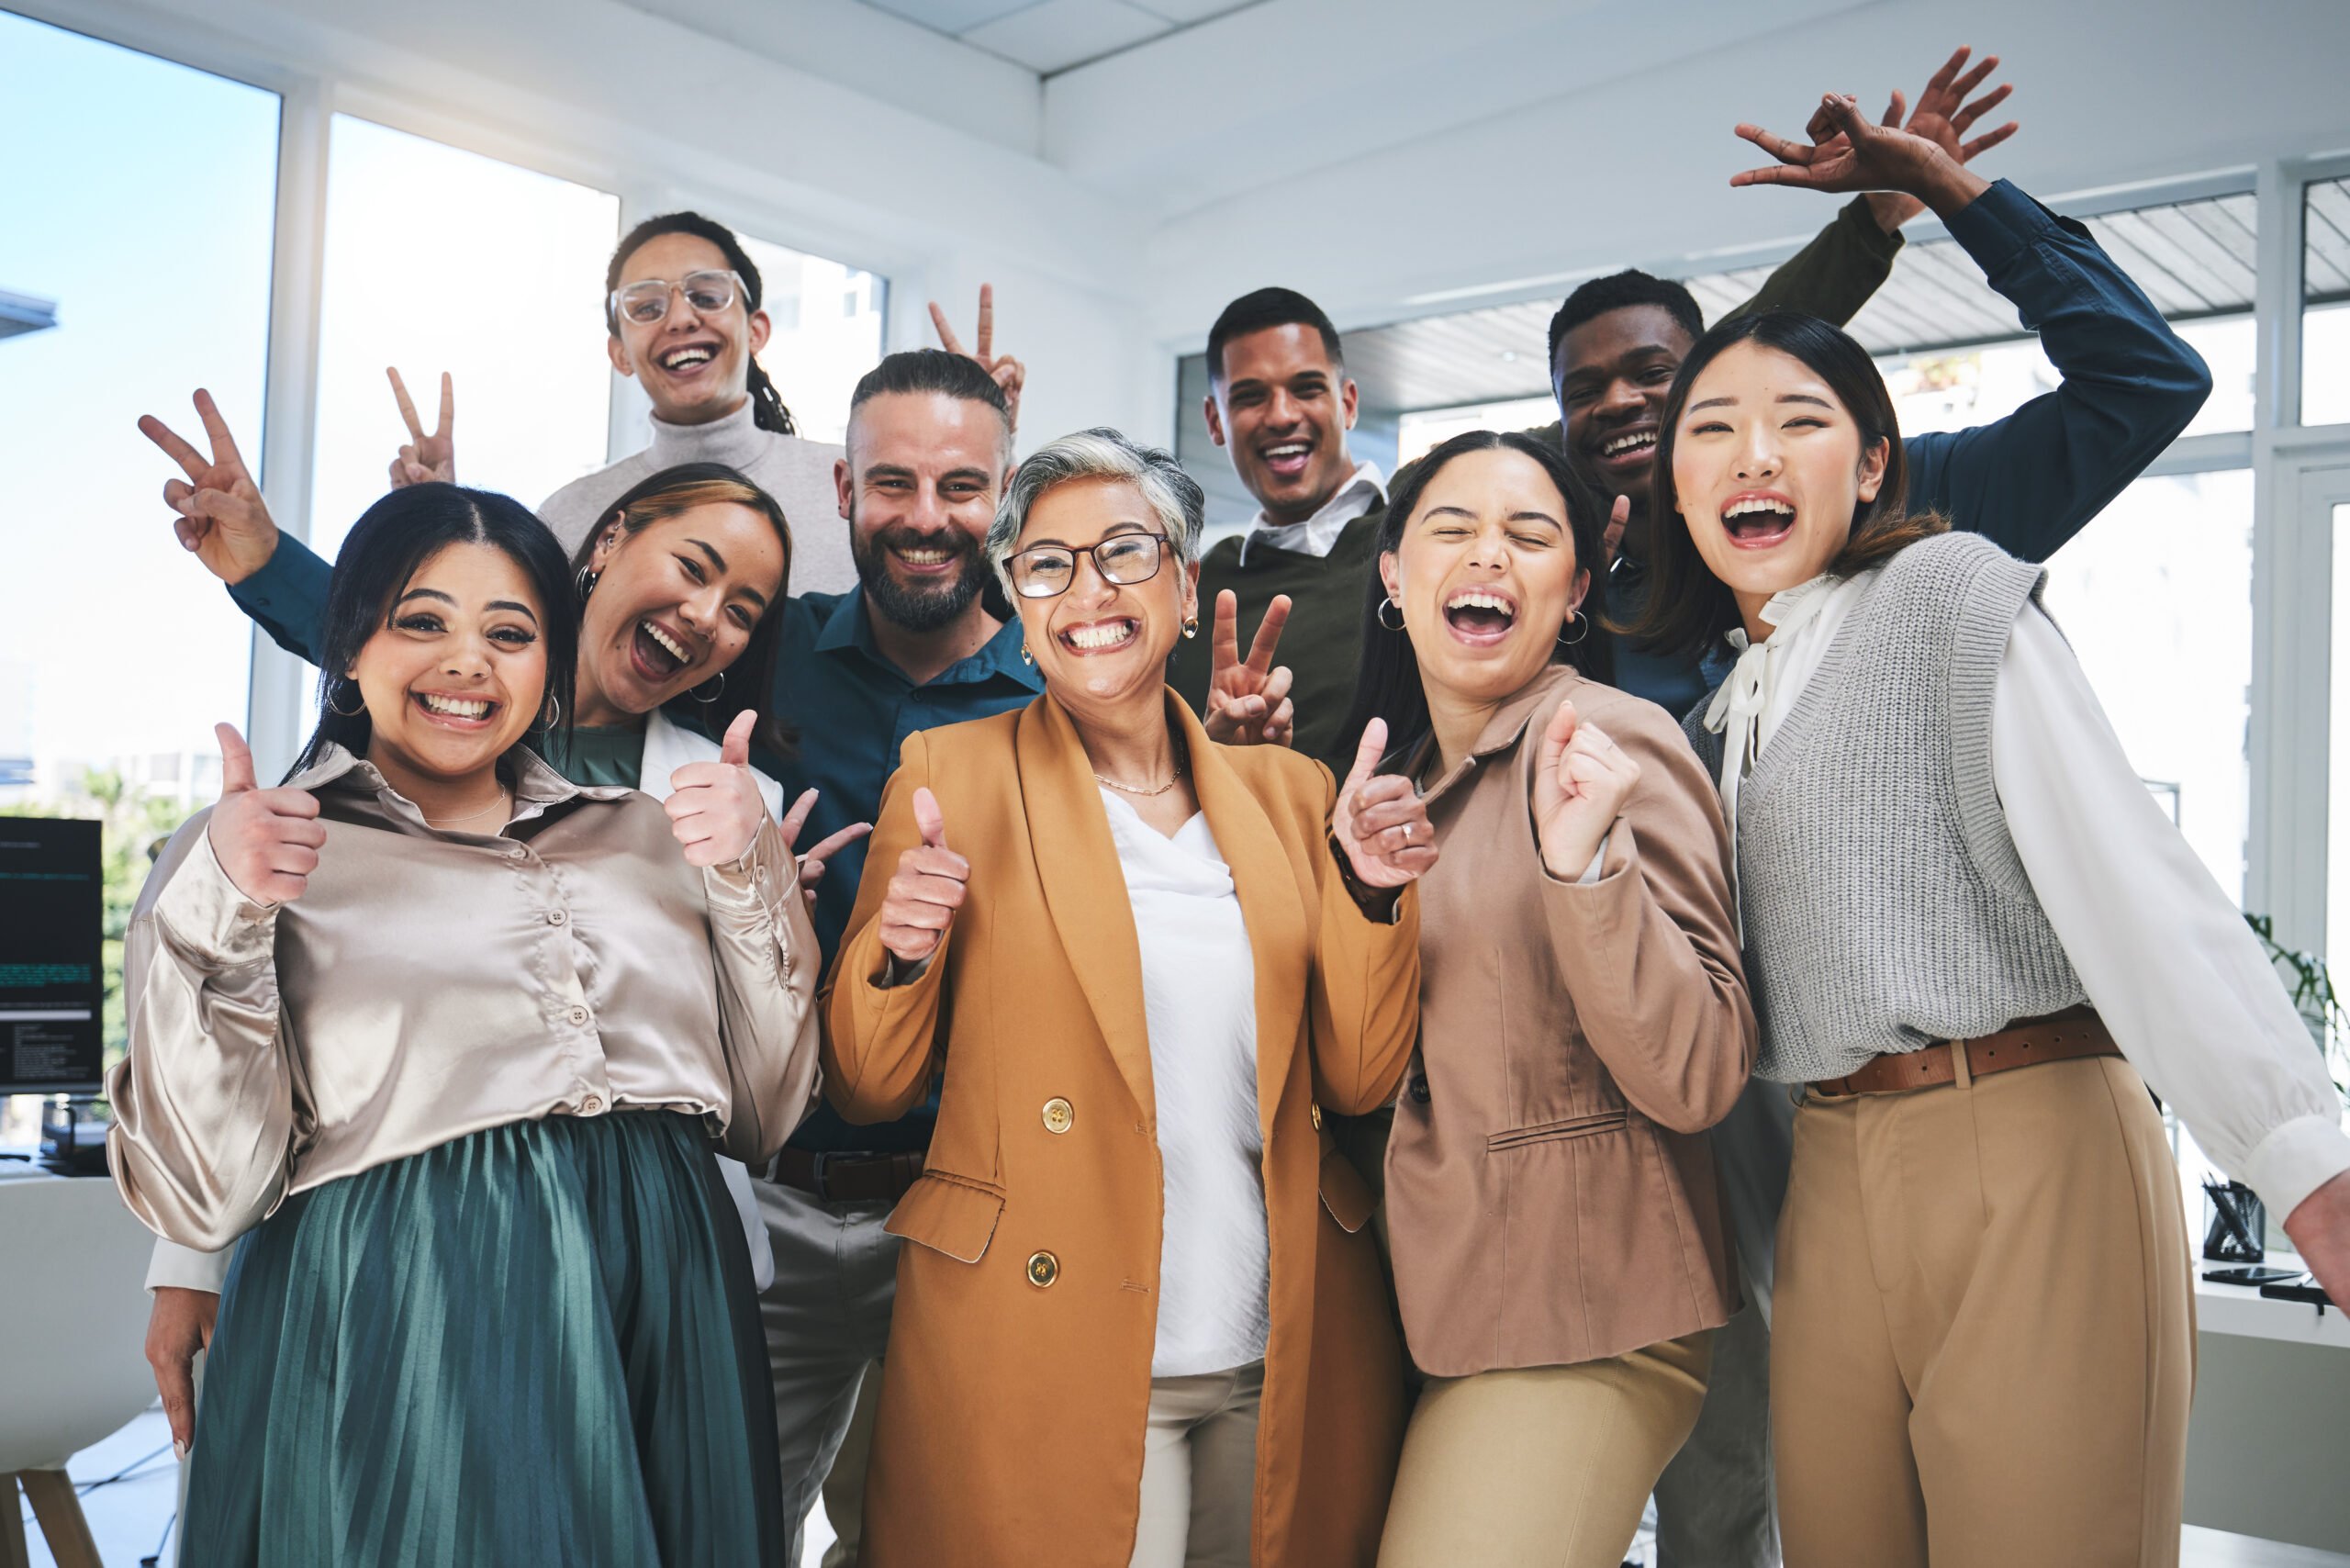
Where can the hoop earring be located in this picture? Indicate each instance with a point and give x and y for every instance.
(336, 690)
(1380, 612)
(552, 714)
(705, 701)
(1191, 626)
(586, 582)
(1567, 642)
(1025, 656)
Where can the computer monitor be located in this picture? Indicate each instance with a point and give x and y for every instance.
(53, 922)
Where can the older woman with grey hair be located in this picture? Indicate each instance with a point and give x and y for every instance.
(1141, 1321)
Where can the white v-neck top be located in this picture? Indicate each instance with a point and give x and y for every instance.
(1198, 991)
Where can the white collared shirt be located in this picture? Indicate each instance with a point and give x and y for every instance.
(2163, 952)
(1318, 534)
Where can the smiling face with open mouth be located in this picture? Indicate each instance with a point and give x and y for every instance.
(676, 603)
(1769, 469)
(1485, 572)
(1282, 410)
(694, 368)
(1100, 643)
(457, 672)
(1610, 378)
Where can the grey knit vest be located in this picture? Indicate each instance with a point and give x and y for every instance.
(1884, 905)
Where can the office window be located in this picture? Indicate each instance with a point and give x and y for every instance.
(2325, 303)
(1954, 389)
(135, 251)
(827, 332)
(2156, 597)
(442, 260)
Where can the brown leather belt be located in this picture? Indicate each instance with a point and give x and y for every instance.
(847, 1178)
(2060, 1037)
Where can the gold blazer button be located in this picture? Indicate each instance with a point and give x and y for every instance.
(1043, 1269)
(1059, 1114)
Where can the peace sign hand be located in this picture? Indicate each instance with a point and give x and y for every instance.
(426, 459)
(1380, 820)
(221, 515)
(1581, 782)
(1863, 156)
(1248, 699)
(1007, 371)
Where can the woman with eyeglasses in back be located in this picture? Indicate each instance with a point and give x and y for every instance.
(1141, 1321)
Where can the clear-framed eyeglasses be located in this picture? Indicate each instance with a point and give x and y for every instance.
(1124, 559)
(646, 301)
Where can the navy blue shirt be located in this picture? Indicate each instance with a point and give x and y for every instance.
(2032, 481)
(850, 707)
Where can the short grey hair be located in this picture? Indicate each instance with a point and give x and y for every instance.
(1101, 452)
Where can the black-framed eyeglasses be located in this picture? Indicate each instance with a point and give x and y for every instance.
(646, 301)
(1124, 559)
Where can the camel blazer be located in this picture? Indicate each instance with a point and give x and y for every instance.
(1010, 1424)
(1550, 1191)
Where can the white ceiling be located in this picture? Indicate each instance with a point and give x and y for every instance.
(1050, 36)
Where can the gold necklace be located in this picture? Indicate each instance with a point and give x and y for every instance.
(1135, 790)
(501, 803)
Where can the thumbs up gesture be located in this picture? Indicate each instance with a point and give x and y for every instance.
(267, 840)
(1581, 781)
(927, 890)
(715, 808)
(1380, 820)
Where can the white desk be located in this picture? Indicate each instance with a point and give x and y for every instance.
(2243, 1310)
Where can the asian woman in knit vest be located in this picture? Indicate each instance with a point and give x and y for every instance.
(1553, 1216)
(1975, 941)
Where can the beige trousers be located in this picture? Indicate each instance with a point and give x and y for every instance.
(1983, 1338)
(1541, 1467)
(1199, 1470)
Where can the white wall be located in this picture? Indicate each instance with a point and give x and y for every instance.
(1636, 170)
(927, 175)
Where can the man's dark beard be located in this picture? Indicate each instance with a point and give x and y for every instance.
(924, 608)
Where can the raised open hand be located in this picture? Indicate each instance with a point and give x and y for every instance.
(221, 515)
(426, 459)
(1863, 156)
(1007, 371)
(1581, 782)
(1247, 698)
(1944, 116)
(1380, 820)
(929, 887)
(812, 864)
(267, 840)
(715, 808)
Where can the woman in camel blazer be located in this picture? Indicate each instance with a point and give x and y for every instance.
(1141, 1321)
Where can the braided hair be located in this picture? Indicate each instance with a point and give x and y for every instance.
(768, 412)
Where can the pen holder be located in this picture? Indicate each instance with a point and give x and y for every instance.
(2234, 1222)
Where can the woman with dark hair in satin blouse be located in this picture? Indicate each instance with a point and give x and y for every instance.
(454, 1040)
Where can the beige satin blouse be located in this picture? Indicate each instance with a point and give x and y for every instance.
(431, 983)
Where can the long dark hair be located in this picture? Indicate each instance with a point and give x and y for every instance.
(1387, 682)
(768, 412)
(387, 546)
(752, 675)
(1688, 608)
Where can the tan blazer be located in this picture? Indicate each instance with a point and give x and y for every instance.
(1551, 1194)
(1011, 1423)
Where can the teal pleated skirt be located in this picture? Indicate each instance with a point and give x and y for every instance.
(536, 1344)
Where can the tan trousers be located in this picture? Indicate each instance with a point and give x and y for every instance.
(1199, 1470)
(1543, 1467)
(1983, 1343)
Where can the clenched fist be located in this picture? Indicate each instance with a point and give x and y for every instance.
(1581, 782)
